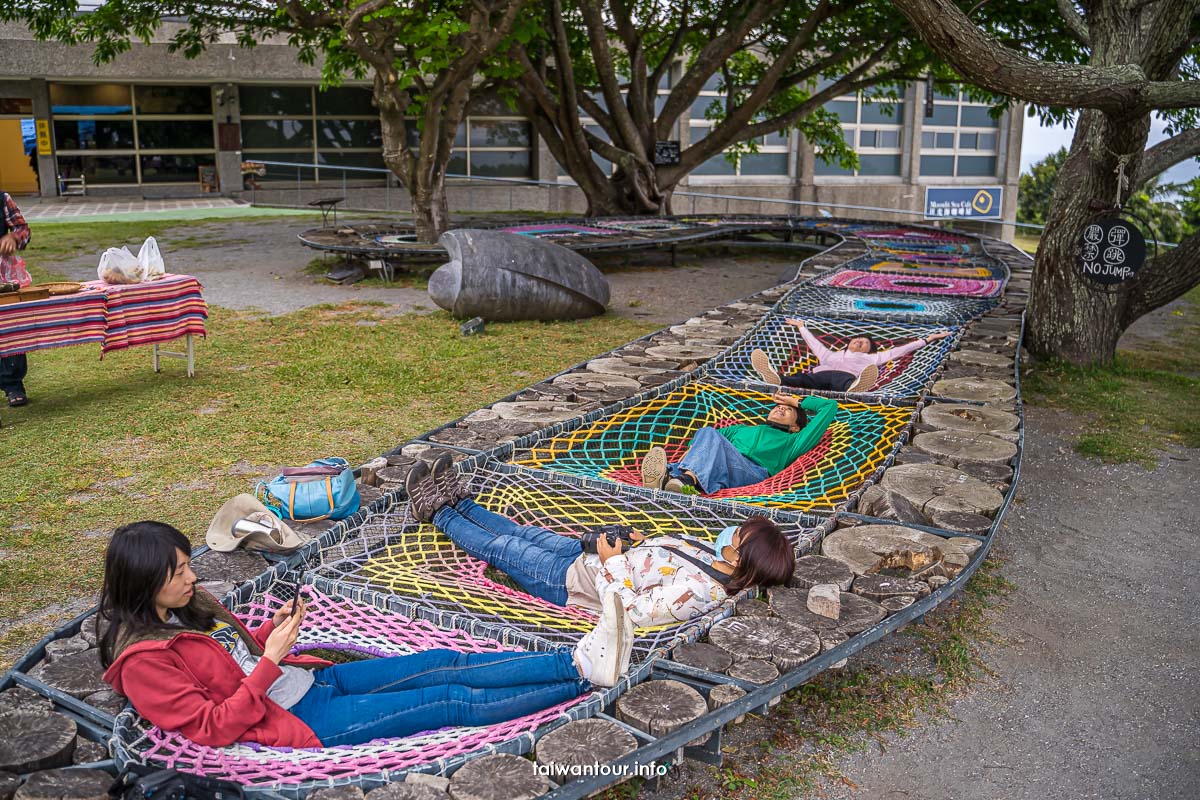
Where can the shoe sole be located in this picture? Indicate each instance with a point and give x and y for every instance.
(622, 625)
(654, 468)
(866, 379)
(762, 365)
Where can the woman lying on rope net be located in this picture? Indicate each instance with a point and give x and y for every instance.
(188, 664)
(665, 580)
(854, 369)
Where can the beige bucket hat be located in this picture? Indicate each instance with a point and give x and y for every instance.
(275, 536)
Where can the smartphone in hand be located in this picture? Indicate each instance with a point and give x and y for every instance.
(296, 592)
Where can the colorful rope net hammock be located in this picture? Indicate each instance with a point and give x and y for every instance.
(820, 301)
(393, 553)
(907, 376)
(876, 263)
(335, 622)
(860, 440)
(911, 284)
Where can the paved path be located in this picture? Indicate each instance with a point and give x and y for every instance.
(86, 209)
(1097, 691)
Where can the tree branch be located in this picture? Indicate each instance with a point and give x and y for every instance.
(1076, 25)
(1166, 154)
(1121, 89)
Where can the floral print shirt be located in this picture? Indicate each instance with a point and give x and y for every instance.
(656, 585)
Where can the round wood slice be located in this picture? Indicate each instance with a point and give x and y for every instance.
(683, 353)
(33, 741)
(415, 791)
(981, 358)
(956, 446)
(881, 587)
(933, 487)
(536, 411)
(106, 700)
(65, 647)
(862, 547)
(813, 570)
(659, 707)
(937, 581)
(426, 779)
(619, 366)
(595, 381)
(996, 475)
(830, 640)
(77, 674)
(858, 613)
(959, 521)
(580, 745)
(753, 608)
(781, 641)
(498, 777)
(723, 694)
(911, 455)
(235, 567)
(973, 419)
(898, 603)
(8, 785)
(64, 784)
(338, 793)
(753, 671)
(88, 752)
(702, 656)
(981, 390)
(19, 698)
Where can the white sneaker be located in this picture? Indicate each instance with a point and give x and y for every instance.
(604, 653)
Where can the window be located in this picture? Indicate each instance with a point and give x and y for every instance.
(960, 138)
(147, 134)
(872, 128)
(771, 160)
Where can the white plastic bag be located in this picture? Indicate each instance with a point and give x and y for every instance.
(119, 266)
(151, 260)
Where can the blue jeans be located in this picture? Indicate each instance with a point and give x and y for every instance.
(390, 697)
(716, 463)
(537, 559)
(12, 373)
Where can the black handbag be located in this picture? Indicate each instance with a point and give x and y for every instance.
(140, 782)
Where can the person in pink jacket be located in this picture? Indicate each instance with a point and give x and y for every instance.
(854, 369)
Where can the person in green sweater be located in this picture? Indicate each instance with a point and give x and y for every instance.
(740, 455)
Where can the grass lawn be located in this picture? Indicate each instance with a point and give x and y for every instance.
(1026, 242)
(108, 442)
(1147, 399)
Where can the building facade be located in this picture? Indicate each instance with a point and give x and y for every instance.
(155, 124)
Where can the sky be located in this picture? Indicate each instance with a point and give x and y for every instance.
(1039, 142)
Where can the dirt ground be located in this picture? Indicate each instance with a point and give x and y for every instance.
(259, 264)
(1096, 666)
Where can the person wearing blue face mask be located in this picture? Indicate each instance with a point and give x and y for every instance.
(661, 580)
(741, 455)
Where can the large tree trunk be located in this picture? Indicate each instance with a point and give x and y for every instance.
(1069, 317)
(431, 213)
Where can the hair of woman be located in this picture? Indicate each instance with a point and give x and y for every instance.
(141, 558)
(765, 556)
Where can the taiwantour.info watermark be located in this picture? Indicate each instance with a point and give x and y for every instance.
(573, 771)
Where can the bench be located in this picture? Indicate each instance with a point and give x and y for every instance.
(327, 205)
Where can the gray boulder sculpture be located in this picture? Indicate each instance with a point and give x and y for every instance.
(506, 276)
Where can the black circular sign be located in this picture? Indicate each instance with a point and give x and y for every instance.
(1111, 250)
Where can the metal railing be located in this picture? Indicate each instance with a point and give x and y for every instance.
(389, 178)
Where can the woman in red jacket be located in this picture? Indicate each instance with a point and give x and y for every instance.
(188, 664)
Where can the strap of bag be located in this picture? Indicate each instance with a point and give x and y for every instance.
(292, 502)
(709, 569)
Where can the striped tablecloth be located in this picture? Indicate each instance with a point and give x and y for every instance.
(157, 311)
(115, 317)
